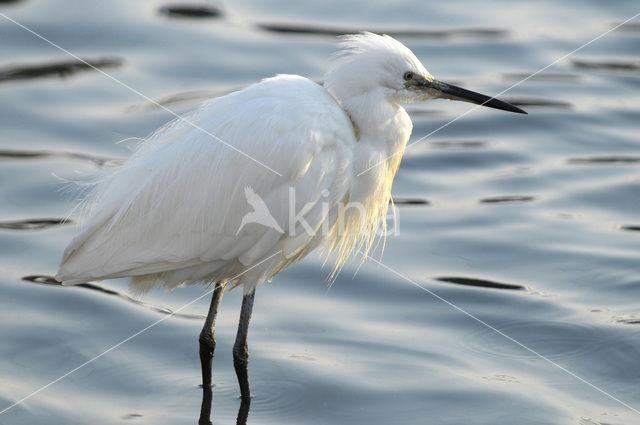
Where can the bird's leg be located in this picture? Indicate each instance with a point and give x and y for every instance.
(240, 352)
(207, 336)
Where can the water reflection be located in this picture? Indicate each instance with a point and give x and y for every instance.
(205, 409)
(410, 201)
(507, 199)
(458, 144)
(607, 65)
(631, 227)
(20, 154)
(540, 103)
(33, 223)
(191, 11)
(59, 69)
(605, 159)
(479, 282)
(629, 26)
(294, 28)
(50, 280)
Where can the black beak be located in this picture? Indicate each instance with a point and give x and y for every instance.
(447, 91)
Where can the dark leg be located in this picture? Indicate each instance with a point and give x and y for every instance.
(207, 337)
(240, 352)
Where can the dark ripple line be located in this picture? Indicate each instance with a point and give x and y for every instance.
(35, 154)
(610, 65)
(631, 319)
(540, 103)
(410, 201)
(627, 27)
(631, 227)
(605, 159)
(60, 69)
(131, 416)
(50, 280)
(197, 11)
(458, 144)
(469, 281)
(296, 28)
(507, 199)
(33, 223)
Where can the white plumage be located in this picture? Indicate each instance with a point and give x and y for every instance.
(176, 212)
(170, 214)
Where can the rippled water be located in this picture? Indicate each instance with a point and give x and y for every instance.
(522, 231)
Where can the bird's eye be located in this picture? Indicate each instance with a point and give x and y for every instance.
(408, 76)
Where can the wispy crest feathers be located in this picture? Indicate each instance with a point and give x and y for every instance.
(366, 61)
(367, 42)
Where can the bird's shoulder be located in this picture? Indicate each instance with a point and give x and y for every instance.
(284, 103)
(292, 88)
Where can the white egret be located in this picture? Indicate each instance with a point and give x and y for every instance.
(173, 213)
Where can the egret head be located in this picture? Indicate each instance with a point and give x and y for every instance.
(380, 65)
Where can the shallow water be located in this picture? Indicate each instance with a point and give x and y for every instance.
(521, 231)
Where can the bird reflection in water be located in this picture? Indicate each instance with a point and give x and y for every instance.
(205, 409)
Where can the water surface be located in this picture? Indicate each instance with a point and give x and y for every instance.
(519, 229)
